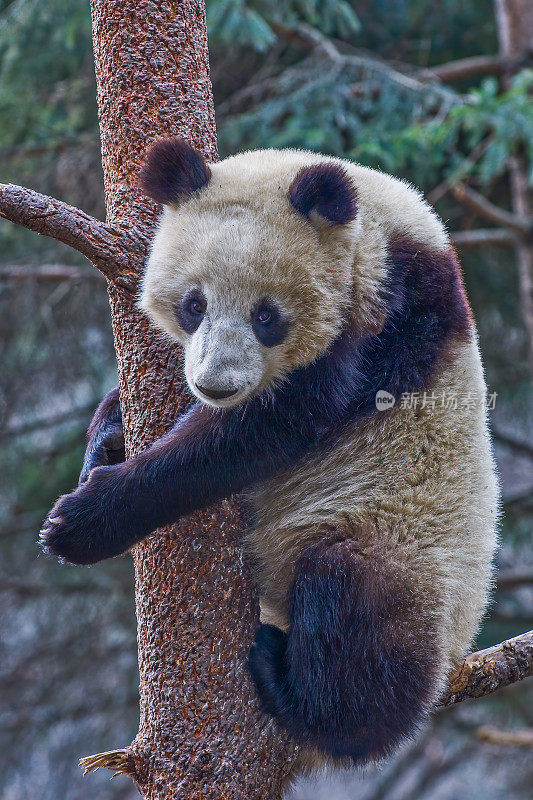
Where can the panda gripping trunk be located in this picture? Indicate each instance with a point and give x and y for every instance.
(207, 456)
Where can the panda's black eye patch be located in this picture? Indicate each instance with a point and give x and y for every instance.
(268, 323)
(190, 311)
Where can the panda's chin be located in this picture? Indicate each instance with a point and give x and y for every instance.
(222, 405)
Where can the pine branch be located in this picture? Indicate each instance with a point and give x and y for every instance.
(486, 671)
(107, 248)
(500, 216)
(313, 38)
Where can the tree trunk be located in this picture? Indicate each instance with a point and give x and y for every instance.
(200, 734)
(515, 32)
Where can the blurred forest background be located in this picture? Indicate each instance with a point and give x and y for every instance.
(379, 81)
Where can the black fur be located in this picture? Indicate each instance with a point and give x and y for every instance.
(349, 678)
(210, 454)
(326, 189)
(427, 309)
(105, 437)
(188, 317)
(274, 331)
(172, 170)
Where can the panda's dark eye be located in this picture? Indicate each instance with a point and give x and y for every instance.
(268, 323)
(195, 306)
(191, 310)
(264, 316)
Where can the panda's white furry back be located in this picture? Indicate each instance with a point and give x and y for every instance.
(302, 288)
(372, 554)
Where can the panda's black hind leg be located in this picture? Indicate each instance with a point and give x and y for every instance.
(359, 668)
(268, 667)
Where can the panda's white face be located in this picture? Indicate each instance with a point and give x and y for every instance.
(250, 284)
(231, 344)
(219, 284)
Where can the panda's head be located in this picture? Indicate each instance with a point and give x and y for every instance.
(251, 265)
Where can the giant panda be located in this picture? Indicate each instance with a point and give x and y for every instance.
(334, 360)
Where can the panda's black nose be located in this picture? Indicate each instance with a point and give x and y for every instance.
(216, 394)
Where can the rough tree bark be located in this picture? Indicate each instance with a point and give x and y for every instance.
(487, 670)
(201, 734)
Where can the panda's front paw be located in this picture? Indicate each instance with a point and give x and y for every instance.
(92, 523)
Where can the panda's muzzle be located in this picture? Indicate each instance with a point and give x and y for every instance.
(216, 394)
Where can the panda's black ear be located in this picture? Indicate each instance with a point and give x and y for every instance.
(172, 170)
(326, 189)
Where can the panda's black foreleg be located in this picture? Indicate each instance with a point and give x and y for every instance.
(359, 667)
(105, 436)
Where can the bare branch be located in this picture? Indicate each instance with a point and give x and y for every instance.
(479, 674)
(481, 237)
(48, 272)
(120, 761)
(486, 671)
(475, 201)
(106, 247)
(519, 445)
(516, 498)
(519, 738)
(475, 66)
(513, 579)
(72, 414)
